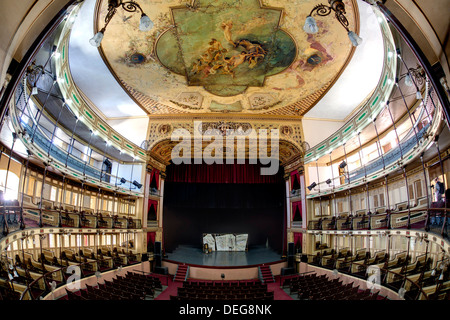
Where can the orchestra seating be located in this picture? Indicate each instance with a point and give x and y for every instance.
(314, 287)
(130, 287)
(223, 290)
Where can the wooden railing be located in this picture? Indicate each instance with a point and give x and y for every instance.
(383, 272)
(44, 281)
(62, 218)
(420, 218)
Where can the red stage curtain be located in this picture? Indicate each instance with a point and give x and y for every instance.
(151, 237)
(296, 207)
(153, 203)
(151, 241)
(155, 175)
(220, 173)
(298, 239)
(294, 176)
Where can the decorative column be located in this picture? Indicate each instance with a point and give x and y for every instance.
(146, 196)
(160, 208)
(288, 201)
(161, 199)
(303, 197)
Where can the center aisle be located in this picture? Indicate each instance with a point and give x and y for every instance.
(172, 288)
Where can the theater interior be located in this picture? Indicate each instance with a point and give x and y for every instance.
(230, 151)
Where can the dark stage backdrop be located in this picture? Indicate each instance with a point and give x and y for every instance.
(191, 209)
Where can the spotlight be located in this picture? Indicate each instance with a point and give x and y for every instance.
(122, 180)
(312, 186)
(342, 165)
(328, 181)
(137, 184)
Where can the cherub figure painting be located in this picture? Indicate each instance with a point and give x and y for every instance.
(226, 26)
(219, 59)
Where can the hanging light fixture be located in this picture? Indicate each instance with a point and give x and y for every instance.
(408, 80)
(322, 10)
(414, 77)
(130, 6)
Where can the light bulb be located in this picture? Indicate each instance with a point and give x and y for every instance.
(354, 38)
(146, 23)
(418, 95)
(408, 81)
(97, 39)
(310, 25)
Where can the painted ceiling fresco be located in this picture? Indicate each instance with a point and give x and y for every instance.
(213, 56)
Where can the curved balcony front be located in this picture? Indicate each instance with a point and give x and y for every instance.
(57, 147)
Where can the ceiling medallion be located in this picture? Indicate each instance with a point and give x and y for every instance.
(228, 52)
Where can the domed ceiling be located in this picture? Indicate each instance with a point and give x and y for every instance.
(225, 56)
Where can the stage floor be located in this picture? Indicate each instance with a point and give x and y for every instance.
(195, 256)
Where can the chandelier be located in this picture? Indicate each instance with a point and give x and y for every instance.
(129, 6)
(322, 10)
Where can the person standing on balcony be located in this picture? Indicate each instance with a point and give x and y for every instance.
(439, 190)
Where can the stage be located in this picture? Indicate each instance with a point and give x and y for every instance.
(192, 255)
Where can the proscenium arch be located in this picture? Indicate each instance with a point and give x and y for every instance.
(287, 151)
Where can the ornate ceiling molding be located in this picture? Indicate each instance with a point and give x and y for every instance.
(286, 92)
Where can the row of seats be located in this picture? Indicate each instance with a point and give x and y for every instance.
(314, 287)
(65, 215)
(381, 218)
(223, 290)
(396, 272)
(130, 287)
(49, 268)
(8, 294)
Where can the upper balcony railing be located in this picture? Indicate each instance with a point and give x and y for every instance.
(75, 100)
(372, 106)
(16, 216)
(417, 216)
(39, 135)
(421, 119)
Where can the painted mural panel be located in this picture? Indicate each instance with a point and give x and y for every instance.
(225, 51)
